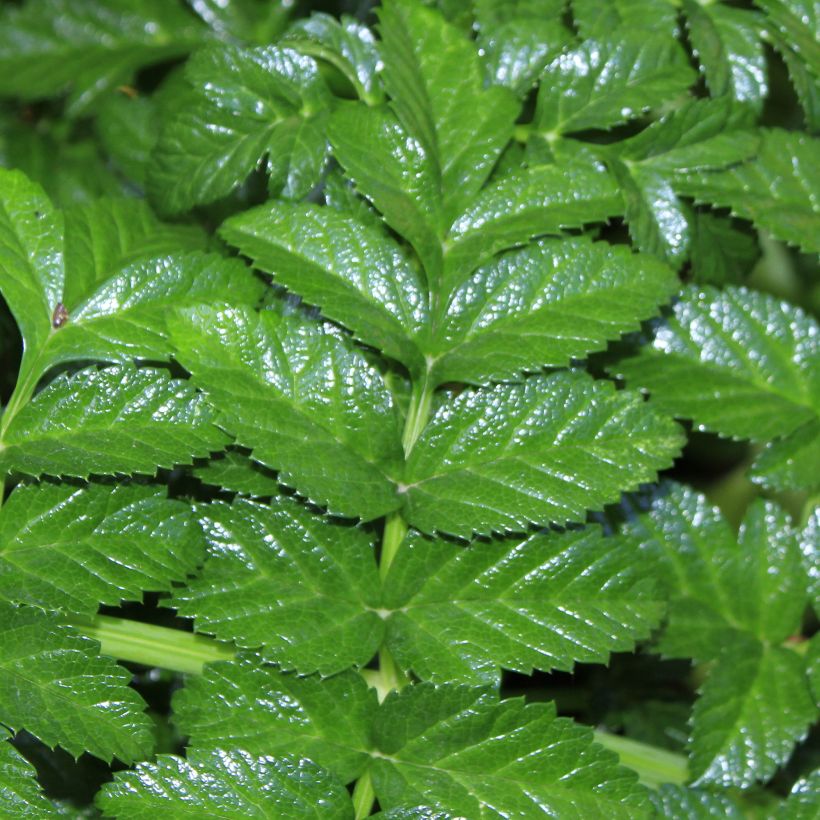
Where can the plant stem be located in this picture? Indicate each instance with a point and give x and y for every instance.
(152, 645)
(653, 765)
(363, 797)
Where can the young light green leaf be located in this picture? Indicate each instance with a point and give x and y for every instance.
(231, 785)
(547, 450)
(694, 804)
(460, 748)
(54, 684)
(246, 106)
(434, 77)
(603, 83)
(396, 173)
(727, 42)
(355, 273)
(547, 602)
(72, 548)
(303, 399)
(753, 708)
(281, 578)
(529, 203)
(114, 420)
(344, 43)
(50, 46)
(738, 362)
(235, 472)
(543, 305)
(777, 190)
(244, 706)
(20, 793)
(790, 463)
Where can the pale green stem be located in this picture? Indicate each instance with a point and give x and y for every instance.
(363, 797)
(654, 766)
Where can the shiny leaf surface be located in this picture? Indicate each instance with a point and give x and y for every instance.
(54, 684)
(20, 793)
(226, 784)
(790, 463)
(543, 451)
(679, 801)
(281, 578)
(303, 399)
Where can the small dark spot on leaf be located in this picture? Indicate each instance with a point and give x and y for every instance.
(60, 316)
(38, 214)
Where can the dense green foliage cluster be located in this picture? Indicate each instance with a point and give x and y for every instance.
(377, 349)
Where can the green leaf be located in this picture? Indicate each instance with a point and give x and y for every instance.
(543, 451)
(344, 43)
(227, 784)
(31, 258)
(244, 20)
(727, 43)
(240, 705)
(738, 362)
(603, 83)
(434, 77)
(460, 748)
(594, 19)
(523, 205)
(806, 84)
(20, 793)
(281, 578)
(396, 173)
(693, 804)
(776, 190)
(753, 708)
(802, 801)
(355, 273)
(303, 399)
(547, 602)
(543, 305)
(237, 473)
(246, 107)
(790, 463)
(89, 47)
(415, 813)
(722, 253)
(114, 420)
(798, 22)
(54, 684)
(810, 547)
(72, 548)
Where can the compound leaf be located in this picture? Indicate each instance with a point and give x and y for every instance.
(72, 548)
(738, 362)
(114, 420)
(547, 450)
(54, 684)
(228, 784)
(477, 757)
(244, 706)
(543, 305)
(547, 602)
(303, 399)
(281, 578)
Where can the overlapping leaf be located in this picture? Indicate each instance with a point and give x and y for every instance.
(802, 801)
(20, 793)
(595, 20)
(235, 472)
(549, 449)
(790, 463)
(264, 105)
(54, 684)
(282, 578)
(114, 420)
(694, 804)
(72, 548)
(303, 399)
(227, 784)
(546, 602)
(738, 362)
(798, 22)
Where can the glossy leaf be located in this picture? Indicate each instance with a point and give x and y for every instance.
(246, 107)
(89, 47)
(282, 578)
(114, 420)
(790, 463)
(776, 190)
(603, 83)
(543, 451)
(547, 602)
(20, 793)
(737, 362)
(355, 273)
(72, 548)
(54, 684)
(227, 784)
(303, 399)
(480, 759)
(244, 706)
(553, 301)
(694, 804)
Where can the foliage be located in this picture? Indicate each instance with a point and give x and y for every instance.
(379, 346)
